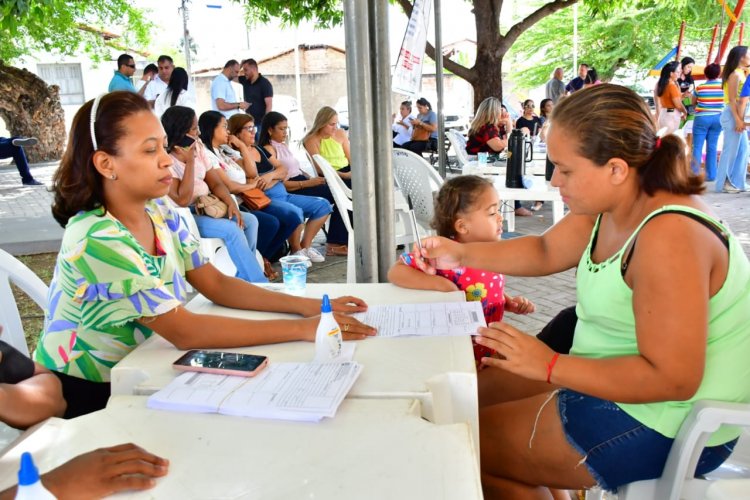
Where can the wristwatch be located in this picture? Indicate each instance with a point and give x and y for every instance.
(238, 105)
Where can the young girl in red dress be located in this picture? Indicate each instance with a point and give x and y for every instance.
(467, 210)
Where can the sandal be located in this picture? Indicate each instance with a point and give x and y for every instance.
(268, 270)
(537, 206)
(337, 250)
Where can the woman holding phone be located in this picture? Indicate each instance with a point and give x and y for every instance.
(127, 256)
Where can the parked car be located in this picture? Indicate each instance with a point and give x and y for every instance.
(288, 106)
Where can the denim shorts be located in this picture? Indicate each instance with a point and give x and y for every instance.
(617, 448)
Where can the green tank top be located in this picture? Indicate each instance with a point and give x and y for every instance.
(606, 328)
(333, 151)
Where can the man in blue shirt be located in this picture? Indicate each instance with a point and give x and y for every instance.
(577, 82)
(223, 97)
(121, 79)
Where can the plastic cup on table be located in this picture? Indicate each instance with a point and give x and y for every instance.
(482, 158)
(294, 272)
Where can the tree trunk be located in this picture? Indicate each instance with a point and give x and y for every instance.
(490, 51)
(31, 108)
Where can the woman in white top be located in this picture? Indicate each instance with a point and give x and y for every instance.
(401, 127)
(176, 93)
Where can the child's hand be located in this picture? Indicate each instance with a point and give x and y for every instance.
(519, 305)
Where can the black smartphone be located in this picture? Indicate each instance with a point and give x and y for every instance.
(221, 363)
(185, 142)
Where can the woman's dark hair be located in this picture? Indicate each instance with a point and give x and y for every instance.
(407, 104)
(237, 121)
(610, 121)
(177, 122)
(177, 83)
(269, 121)
(591, 76)
(733, 61)
(712, 71)
(207, 123)
(541, 107)
(457, 196)
(686, 60)
(666, 71)
(77, 185)
(424, 102)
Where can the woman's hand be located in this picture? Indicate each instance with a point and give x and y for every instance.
(519, 353)
(261, 182)
(739, 125)
(236, 143)
(351, 327)
(348, 304)
(438, 253)
(519, 305)
(316, 181)
(185, 155)
(232, 212)
(103, 472)
(345, 175)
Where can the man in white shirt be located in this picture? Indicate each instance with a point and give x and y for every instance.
(158, 85)
(223, 97)
(402, 125)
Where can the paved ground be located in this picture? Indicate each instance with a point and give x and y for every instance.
(26, 227)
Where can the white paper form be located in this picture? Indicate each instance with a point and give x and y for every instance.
(432, 319)
(287, 391)
(293, 390)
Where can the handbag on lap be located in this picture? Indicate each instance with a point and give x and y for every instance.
(211, 206)
(255, 199)
(420, 134)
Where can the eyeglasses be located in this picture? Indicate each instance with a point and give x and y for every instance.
(250, 129)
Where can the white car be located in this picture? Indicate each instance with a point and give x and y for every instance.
(288, 106)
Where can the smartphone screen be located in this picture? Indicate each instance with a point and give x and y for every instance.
(220, 362)
(186, 142)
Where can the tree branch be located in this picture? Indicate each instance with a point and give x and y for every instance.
(517, 29)
(458, 69)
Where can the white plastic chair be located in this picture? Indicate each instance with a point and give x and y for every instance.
(213, 248)
(677, 481)
(344, 205)
(458, 143)
(14, 271)
(418, 181)
(307, 165)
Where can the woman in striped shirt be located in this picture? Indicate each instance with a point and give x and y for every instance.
(708, 100)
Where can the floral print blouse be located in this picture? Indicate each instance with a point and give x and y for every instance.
(104, 280)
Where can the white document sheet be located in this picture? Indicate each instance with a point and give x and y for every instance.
(435, 319)
(286, 391)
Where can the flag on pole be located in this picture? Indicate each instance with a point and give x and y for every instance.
(407, 76)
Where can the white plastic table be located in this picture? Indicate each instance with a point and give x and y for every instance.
(372, 449)
(437, 371)
(540, 190)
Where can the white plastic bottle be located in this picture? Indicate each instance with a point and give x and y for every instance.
(328, 341)
(30, 487)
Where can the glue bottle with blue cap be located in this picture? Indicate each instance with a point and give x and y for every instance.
(328, 341)
(30, 486)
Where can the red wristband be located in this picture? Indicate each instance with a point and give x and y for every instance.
(551, 365)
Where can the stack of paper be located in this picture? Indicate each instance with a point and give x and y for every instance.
(432, 319)
(287, 391)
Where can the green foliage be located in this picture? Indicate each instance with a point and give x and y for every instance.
(634, 36)
(326, 13)
(55, 26)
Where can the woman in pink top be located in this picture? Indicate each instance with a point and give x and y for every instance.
(273, 139)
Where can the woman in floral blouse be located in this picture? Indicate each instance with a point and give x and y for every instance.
(126, 258)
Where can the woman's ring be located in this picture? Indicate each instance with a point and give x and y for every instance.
(346, 327)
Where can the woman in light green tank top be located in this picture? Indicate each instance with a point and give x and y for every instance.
(329, 141)
(663, 307)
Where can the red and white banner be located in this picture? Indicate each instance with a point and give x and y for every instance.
(407, 76)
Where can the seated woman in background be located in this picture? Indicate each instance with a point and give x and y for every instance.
(657, 330)
(329, 141)
(487, 132)
(125, 256)
(424, 129)
(273, 140)
(193, 175)
(176, 93)
(276, 222)
(528, 122)
(402, 127)
(271, 175)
